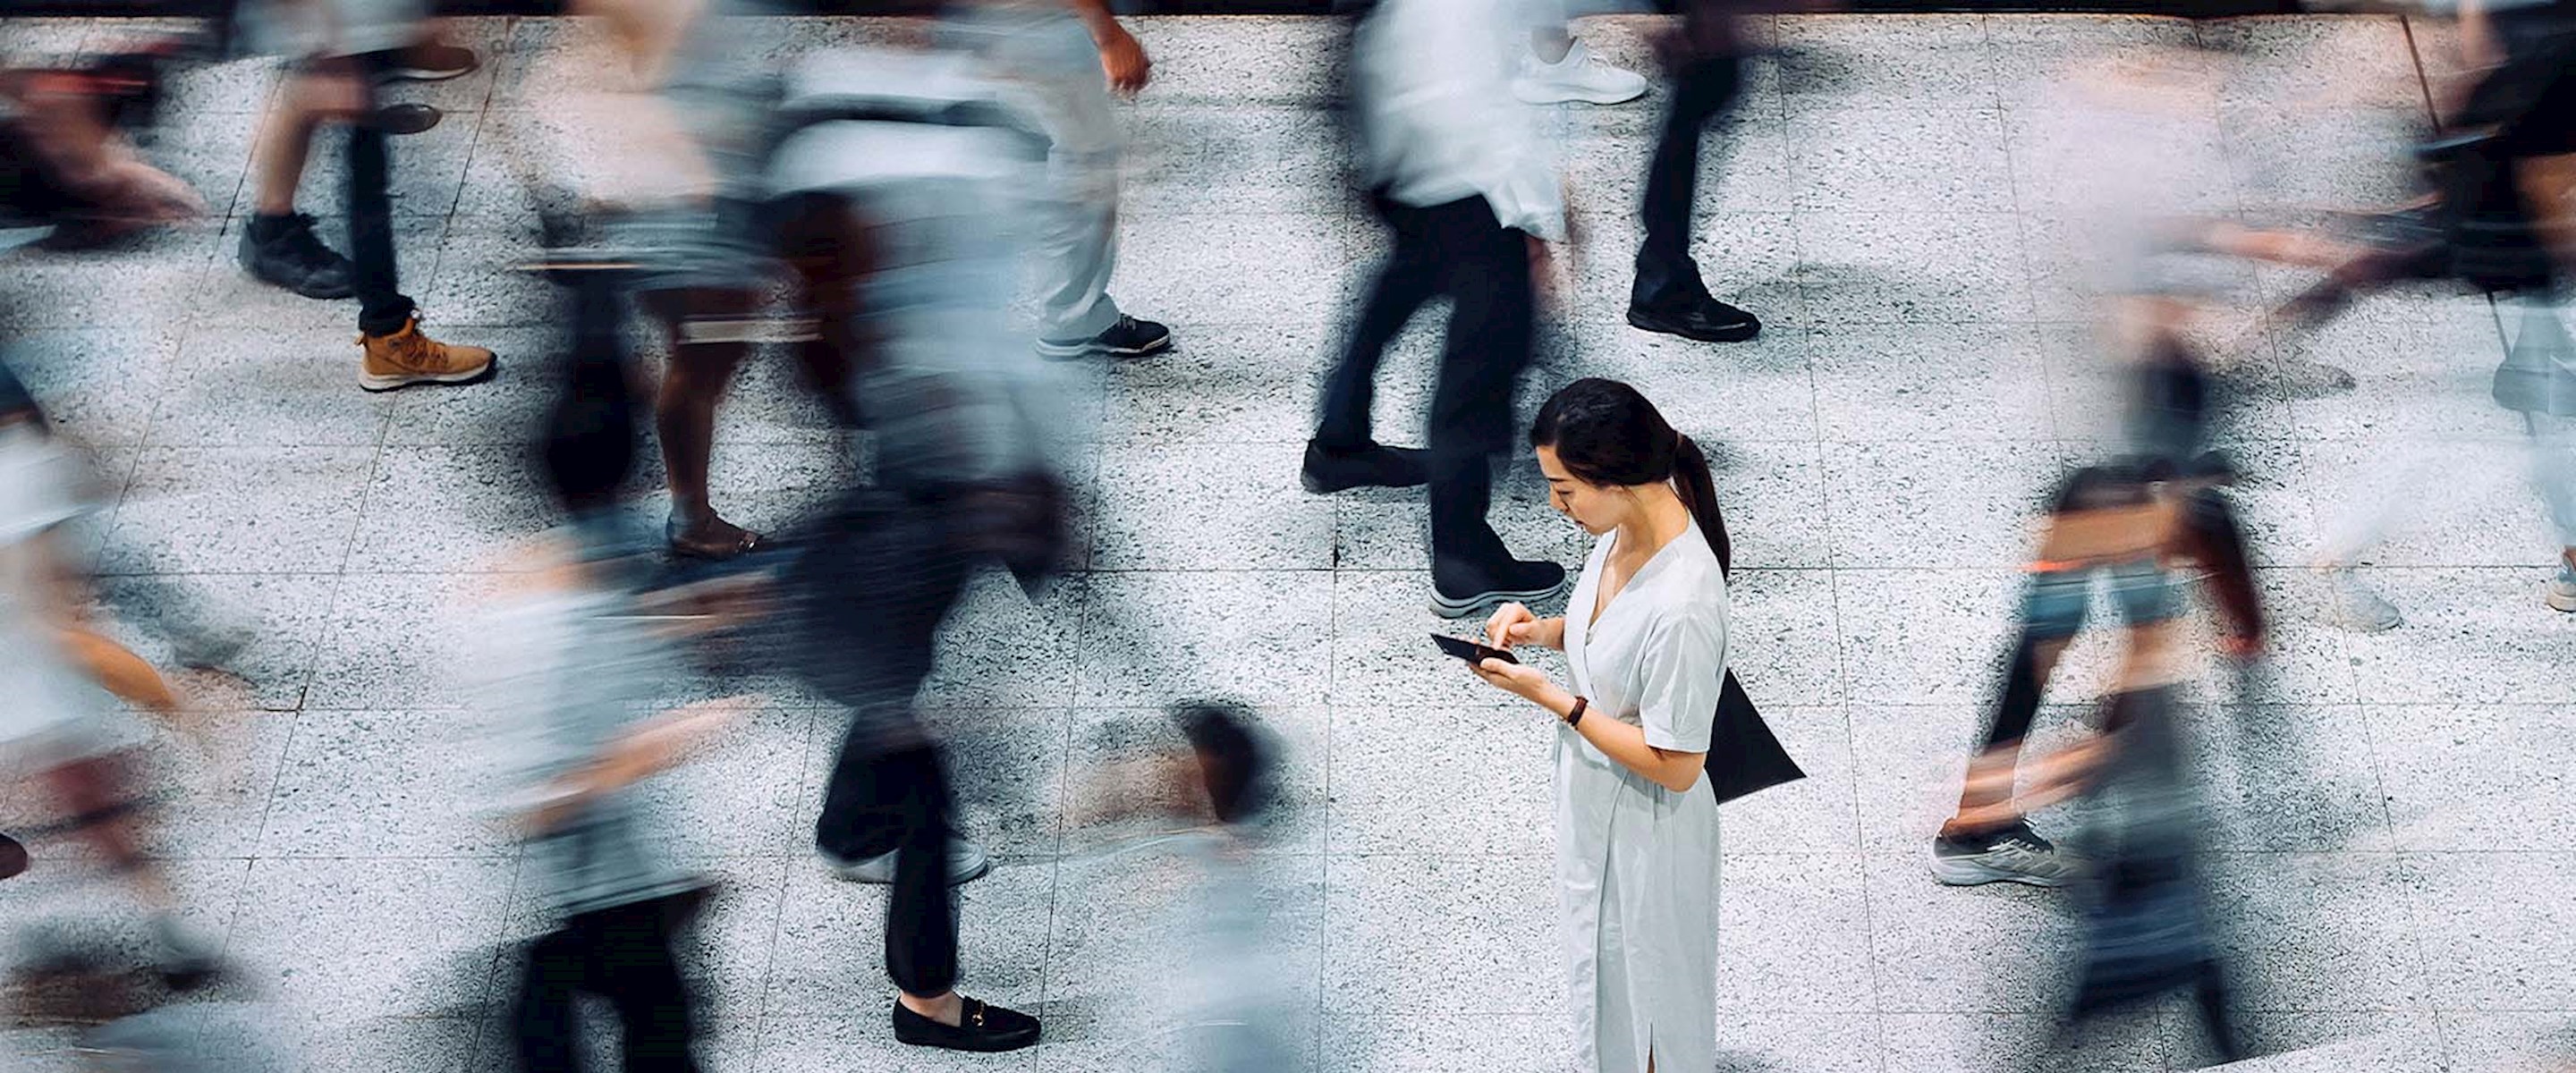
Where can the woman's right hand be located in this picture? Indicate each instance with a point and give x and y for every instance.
(1512, 625)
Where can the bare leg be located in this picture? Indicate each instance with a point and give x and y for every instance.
(285, 141)
(2548, 186)
(685, 414)
(96, 793)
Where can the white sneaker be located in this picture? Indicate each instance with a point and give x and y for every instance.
(2562, 589)
(1580, 76)
(2355, 607)
(966, 863)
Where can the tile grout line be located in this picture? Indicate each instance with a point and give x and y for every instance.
(1321, 1005)
(784, 861)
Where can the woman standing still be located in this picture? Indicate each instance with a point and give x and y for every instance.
(1645, 640)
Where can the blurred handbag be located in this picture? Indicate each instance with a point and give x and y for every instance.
(1744, 757)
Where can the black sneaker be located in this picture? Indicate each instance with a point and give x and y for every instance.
(986, 1028)
(2015, 854)
(1707, 320)
(430, 61)
(13, 857)
(284, 252)
(1328, 470)
(1471, 590)
(1128, 338)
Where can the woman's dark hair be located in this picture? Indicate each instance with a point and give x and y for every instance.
(1605, 433)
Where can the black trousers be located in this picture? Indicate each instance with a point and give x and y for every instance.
(622, 954)
(872, 588)
(1460, 250)
(1666, 275)
(900, 800)
(382, 307)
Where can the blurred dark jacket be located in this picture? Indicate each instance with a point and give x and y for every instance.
(1714, 29)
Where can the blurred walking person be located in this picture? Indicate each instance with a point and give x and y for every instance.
(1645, 640)
(575, 665)
(1470, 194)
(62, 736)
(663, 160)
(1060, 61)
(898, 224)
(2129, 529)
(1705, 59)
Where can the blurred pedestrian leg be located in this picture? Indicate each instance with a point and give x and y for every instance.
(1051, 53)
(1707, 73)
(1469, 190)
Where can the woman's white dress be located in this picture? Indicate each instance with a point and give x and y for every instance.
(1636, 864)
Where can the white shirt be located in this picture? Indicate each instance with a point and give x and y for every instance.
(1437, 118)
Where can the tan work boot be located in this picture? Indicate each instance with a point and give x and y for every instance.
(406, 357)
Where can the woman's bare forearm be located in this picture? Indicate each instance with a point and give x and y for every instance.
(1626, 743)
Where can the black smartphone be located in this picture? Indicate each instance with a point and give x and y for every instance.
(1470, 650)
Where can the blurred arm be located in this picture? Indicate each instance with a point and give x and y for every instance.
(1122, 59)
(67, 131)
(651, 747)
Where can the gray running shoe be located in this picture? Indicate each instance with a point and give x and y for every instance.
(2013, 855)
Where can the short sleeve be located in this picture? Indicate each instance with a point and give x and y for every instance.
(1685, 659)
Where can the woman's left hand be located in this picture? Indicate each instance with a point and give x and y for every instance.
(1519, 679)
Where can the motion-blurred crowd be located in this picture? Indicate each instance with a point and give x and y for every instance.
(930, 226)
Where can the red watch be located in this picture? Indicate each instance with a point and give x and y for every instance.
(1575, 715)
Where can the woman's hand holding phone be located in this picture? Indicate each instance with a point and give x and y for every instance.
(1512, 625)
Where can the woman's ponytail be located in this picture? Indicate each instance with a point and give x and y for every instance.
(1699, 492)
(1607, 434)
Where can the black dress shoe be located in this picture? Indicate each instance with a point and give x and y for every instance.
(13, 857)
(405, 118)
(430, 61)
(1707, 320)
(985, 1028)
(1328, 470)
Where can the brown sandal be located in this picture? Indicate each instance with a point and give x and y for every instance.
(743, 543)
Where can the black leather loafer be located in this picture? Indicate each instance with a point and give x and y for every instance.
(986, 1028)
(1707, 320)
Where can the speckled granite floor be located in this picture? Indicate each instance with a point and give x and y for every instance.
(2399, 860)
